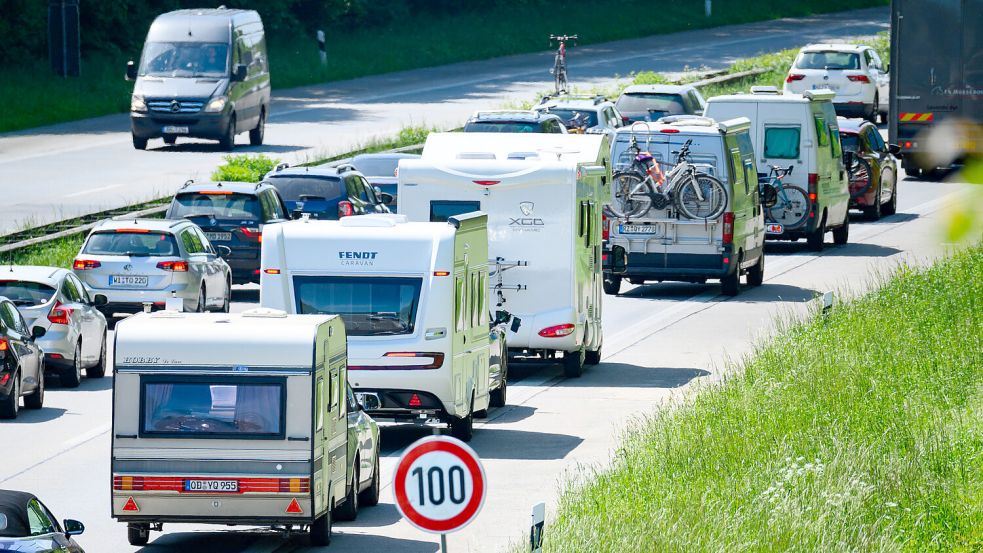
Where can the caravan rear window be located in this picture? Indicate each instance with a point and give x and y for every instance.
(782, 142)
(370, 306)
(441, 210)
(215, 408)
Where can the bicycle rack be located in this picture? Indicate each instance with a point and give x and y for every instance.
(501, 265)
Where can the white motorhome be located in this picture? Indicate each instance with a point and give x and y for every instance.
(229, 419)
(543, 195)
(413, 299)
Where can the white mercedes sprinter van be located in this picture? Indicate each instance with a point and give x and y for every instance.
(413, 298)
(229, 419)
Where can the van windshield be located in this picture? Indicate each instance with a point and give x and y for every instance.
(185, 59)
(370, 306)
(228, 408)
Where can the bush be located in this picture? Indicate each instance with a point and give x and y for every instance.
(244, 168)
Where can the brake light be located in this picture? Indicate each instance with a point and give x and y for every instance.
(175, 266)
(794, 77)
(415, 401)
(486, 182)
(907, 144)
(215, 193)
(729, 227)
(132, 230)
(4, 379)
(669, 131)
(59, 314)
(558, 331)
(858, 78)
(813, 186)
(252, 232)
(605, 227)
(4, 346)
(85, 264)
(345, 209)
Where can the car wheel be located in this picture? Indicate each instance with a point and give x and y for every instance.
(256, 135)
(612, 285)
(228, 142)
(873, 212)
(170, 139)
(321, 530)
(10, 404)
(226, 305)
(874, 109)
(891, 207)
(756, 274)
(139, 143)
(842, 233)
(35, 400)
(200, 308)
(99, 370)
(370, 496)
(730, 285)
(349, 509)
(138, 534)
(592, 357)
(573, 363)
(72, 376)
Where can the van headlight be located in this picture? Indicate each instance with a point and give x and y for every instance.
(216, 104)
(137, 104)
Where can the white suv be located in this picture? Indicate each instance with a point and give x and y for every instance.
(583, 114)
(854, 72)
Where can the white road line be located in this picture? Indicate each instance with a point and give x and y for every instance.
(94, 190)
(69, 445)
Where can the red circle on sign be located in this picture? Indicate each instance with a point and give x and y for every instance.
(470, 460)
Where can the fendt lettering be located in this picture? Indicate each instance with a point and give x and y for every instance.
(357, 255)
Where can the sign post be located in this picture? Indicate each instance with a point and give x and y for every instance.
(439, 485)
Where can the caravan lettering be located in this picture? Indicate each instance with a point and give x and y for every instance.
(357, 258)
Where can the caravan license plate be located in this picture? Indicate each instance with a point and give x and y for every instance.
(214, 486)
(773, 228)
(638, 229)
(127, 280)
(218, 236)
(171, 129)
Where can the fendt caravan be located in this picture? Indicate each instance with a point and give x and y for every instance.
(543, 195)
(229, 419)
(413, 299)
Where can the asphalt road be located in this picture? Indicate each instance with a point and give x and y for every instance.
(65, 170)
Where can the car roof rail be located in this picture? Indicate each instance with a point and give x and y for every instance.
(281, 166)
(187, 183)
(345, 167)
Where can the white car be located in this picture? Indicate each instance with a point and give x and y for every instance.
(854, 72)
(583, 114)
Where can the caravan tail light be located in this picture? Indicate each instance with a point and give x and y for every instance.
(729, 227)
(85, 264)
(792, 77)
(253, 233)
(174, 266)
(558, 331)
(59, 314)
(605, 227)
(858, 78)
(345, 209)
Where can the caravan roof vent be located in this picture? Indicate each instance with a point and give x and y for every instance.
(374, 220)
(265, 312)
(476, 155)
(167, 314)
(687, 120)
(764, 90)
(523, 155)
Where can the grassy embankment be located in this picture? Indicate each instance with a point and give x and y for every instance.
(861, 430)
(32, 96)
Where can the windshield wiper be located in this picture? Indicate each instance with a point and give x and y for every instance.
(22, 302)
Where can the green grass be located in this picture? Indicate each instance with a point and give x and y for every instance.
(31, 96)
(56, 253)
(244, 168)
(856, 431)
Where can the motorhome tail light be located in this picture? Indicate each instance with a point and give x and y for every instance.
(59, 314)
(792, 77)
(415, 401)
(436, 357)
(486, 182)
(174, 266)
(669, 131)
(605, 227)
(729, 227)
(441, 273)
(345, 209)
(294, 507)
(558, 331)
(131, 505)
(252, 233)
(813, 186)
(858, 78)
(85, 264)
(271, 271)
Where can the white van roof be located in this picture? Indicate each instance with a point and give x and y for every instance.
(771, 94)
(686, 124)
(582, 148)
(265, 338)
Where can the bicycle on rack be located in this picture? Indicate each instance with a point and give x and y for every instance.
(644, 186)
(791, 207)
(559, 70)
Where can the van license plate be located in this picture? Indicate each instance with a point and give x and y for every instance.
(127, 280)
(171, 129)
(638, 229)
(214, 486)
(218, 236)
(773, 228)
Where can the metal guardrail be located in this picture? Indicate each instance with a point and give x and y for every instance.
(77, 225)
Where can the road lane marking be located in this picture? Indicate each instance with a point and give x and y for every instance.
(69, 445)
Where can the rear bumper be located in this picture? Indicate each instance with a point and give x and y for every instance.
(234, 509)
(200, 125)
(853, 109)
(677, 266)
(131, 301)
(393, 405)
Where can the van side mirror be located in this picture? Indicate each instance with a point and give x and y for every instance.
(619, 260)
(73, 527)
(768, 195)
(239, 73)
(131, 71)
(894, 149)
(99, 299)
(38, 332)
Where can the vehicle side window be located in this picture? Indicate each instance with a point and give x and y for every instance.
(278, 210)
(352, 403)
(11, 319)
(352, 188)
(747, 154)
(319, 404)
(834, 135)
(70, 291)
(460, 304)
(363, 192)
(37, 519)
(869, 59)
(191, 242)
(822, 135)
(83, 294)
(782, 142)
(876, 142)
(369, 192)
(206, 246)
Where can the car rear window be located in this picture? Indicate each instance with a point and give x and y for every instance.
(502, 126)
(642, 102)
(850, 142)
(828, 60)
(26, 293)
(782, 142)
(141, 244)
(301, 188)
(216, 205)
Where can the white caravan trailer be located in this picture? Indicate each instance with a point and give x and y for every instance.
(413, 299)
(229, 419)
(543, 194)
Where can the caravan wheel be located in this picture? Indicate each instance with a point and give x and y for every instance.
(463, 428)
(138, 534)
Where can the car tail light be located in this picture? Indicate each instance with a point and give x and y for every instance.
(345, 209)
(907, 144)
(59, 314)
(4, 344)
(288, 485)
(729, 227)
(132, 231)
(558, 331)
(86, 264)
(794, 77)
(813, 186)
(605, 227)
(669, 131)
(415, 401)
(858, 78)
(175, 266)
(252, 232)
(4, 379)
(441, 273)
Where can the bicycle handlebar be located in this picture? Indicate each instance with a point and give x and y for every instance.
(563, 38)
(781, 172)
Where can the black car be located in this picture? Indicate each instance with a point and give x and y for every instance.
(21, 363)
(529, 121)
(381, 172)
(231, 214)
(324, 192)
(27, 526)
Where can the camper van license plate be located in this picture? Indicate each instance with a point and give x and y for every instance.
(171, 129)
(215, 486)
(772, 228)
(127, 280)
(638, 229)
(218, 236)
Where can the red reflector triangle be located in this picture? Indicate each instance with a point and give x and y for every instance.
(294, 507)
(130, 505)
(415, 401)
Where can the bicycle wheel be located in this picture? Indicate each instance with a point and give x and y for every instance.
(692, 207)
(792, 207)
(861, 176)
(628, 200)
(561, 79)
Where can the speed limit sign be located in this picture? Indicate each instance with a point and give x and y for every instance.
(439, 484)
